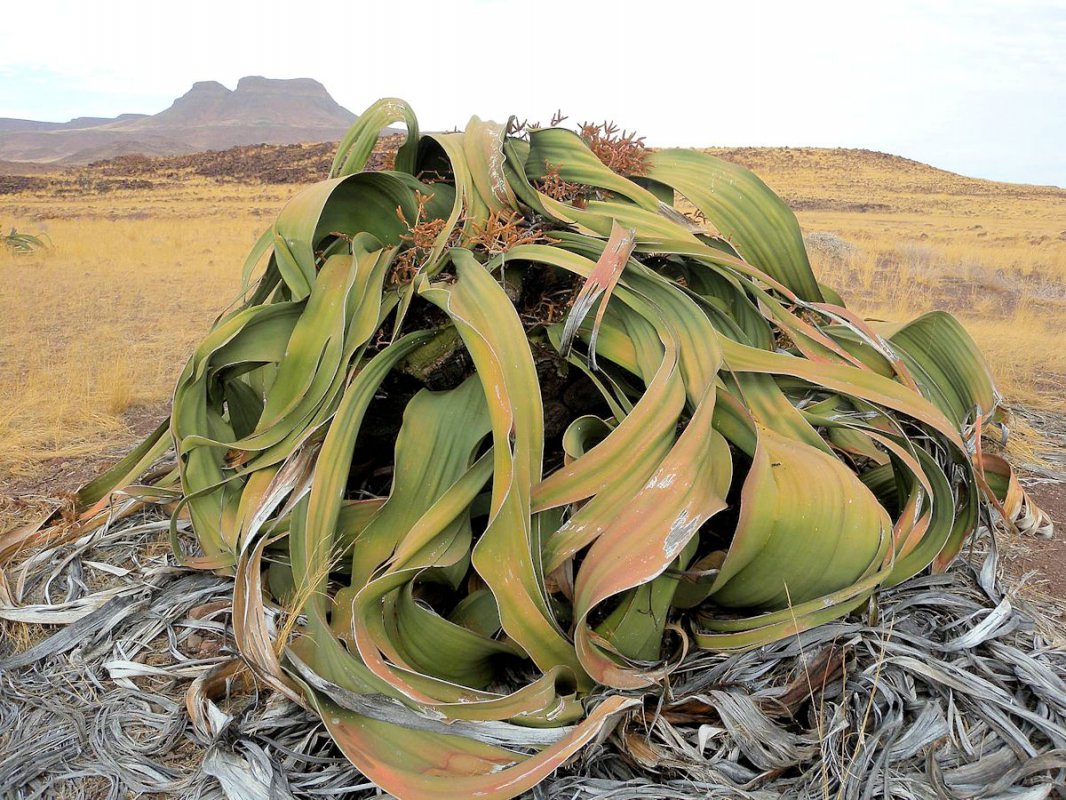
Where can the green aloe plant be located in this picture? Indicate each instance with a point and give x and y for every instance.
(23, 243)
(510, 429)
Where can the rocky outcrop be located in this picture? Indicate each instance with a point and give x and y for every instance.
(207, 117)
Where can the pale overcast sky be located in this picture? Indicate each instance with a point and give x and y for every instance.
(973, 86)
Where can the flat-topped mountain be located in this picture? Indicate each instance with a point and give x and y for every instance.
(207, 117)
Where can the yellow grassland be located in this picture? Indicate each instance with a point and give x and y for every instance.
(94, 333)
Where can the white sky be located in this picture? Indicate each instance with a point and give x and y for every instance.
(974, 86)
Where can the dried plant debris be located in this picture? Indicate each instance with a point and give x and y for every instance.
(621, 151)
(952, 691)
(554, 186)
(504, 230)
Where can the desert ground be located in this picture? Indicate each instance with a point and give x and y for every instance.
(146, 253)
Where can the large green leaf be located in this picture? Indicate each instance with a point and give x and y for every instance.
(754, 220)
(489, 490)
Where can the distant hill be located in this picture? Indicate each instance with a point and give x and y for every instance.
(207, 117)
(837, 179)
(8, 125)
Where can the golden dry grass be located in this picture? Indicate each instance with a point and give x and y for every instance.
(93, 334)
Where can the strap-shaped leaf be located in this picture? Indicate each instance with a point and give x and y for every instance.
(358, 143)
(799, 539)
(948, 367)
(507, 557)
(752, 218)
